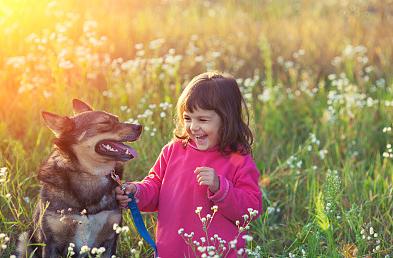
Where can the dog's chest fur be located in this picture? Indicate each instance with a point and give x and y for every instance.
(81, 202)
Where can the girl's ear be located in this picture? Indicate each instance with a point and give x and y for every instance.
(80, 106)
(58, 124)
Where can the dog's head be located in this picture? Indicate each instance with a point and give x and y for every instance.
(93, 137)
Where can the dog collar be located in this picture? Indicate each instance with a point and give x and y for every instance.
(117, 180)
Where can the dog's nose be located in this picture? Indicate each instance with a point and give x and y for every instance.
(138, 128)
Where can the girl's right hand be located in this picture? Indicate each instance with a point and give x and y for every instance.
(122, 198)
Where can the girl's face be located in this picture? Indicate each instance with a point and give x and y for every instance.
(203, 127)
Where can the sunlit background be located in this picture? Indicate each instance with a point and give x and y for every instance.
(317, 76)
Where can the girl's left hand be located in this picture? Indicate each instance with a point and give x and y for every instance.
(208, 176)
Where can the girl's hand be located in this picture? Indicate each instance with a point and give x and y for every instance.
(124, 199)
(208, 176)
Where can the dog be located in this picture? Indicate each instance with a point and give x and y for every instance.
(77, 199)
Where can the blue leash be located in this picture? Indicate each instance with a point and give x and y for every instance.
(136, 214)
(139, 224)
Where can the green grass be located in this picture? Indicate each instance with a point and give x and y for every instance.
(317, 76)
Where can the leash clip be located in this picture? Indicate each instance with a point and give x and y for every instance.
(117, 180)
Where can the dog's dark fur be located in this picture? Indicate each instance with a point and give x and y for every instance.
(77, 202)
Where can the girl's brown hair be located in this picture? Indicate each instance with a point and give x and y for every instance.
(219, 92)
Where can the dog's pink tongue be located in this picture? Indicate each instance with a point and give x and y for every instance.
(132, 151)
(126, 149)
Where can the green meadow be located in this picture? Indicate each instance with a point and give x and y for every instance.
(317, 77)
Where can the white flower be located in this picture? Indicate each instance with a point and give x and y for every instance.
(85, 249)
(125, 229)
(202, 249)
(180, 231)
(198, 210)
(247, 238)
(101, 250)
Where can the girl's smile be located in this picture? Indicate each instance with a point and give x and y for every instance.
(203, 127)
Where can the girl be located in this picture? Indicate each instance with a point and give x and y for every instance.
(206, 167)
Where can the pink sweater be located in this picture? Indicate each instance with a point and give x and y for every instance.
(172, 189)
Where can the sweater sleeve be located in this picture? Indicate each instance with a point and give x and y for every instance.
(235, 197)
(148, 190)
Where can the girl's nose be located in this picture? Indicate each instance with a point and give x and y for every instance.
(194, 126)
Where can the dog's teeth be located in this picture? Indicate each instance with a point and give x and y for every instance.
(109, 148)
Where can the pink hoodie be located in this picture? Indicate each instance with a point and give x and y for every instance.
(172, 189)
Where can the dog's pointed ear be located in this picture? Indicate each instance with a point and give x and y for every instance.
(80, 106)
(58, 124)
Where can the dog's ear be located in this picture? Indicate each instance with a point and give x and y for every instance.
(80, 106)
(58, 124)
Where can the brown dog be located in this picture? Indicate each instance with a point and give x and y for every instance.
(77, 202)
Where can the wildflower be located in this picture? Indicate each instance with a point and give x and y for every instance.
(180, 231)
(215, 208)
(140, 243)
(247, 238)
(125, 229)
(138, 46)
(233, 243)
(202, 249)
(198, 210)
(84, 249)
(101, 250)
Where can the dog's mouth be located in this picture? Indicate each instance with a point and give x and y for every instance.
(116, 150)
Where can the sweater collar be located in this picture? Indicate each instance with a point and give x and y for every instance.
(193, 145)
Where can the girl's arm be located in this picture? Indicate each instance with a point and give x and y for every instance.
(235, 197)
(148, 190)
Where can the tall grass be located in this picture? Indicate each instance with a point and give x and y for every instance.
(317, 76)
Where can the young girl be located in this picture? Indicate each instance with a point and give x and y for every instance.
(206, 165)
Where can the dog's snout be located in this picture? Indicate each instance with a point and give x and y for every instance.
(138, 128)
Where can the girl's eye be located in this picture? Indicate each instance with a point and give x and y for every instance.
(187, 119)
